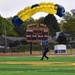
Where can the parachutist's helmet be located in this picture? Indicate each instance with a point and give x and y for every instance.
(44, 41)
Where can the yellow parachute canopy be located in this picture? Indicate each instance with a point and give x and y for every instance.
(42, 7)
(27, 12)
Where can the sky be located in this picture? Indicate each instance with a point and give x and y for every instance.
(9, 8)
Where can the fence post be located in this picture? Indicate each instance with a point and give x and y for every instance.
(30, 48)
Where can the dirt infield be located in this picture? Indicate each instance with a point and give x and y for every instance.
(42, 63)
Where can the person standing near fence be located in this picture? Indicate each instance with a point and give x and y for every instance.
(45, 49)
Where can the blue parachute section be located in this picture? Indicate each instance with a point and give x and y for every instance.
(17, 21)
(60, 10)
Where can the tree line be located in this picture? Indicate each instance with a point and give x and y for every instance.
(67, 25)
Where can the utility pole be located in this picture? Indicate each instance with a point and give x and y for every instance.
(5, 41)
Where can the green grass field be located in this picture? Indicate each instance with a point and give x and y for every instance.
(32, 65)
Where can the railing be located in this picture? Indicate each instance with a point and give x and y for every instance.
(36, 49)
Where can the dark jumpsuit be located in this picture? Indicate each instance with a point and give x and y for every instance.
(45, 49)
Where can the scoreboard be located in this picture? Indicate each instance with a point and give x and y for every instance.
(36, 33)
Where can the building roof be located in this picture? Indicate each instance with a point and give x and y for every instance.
(15, 38)
(9, 40)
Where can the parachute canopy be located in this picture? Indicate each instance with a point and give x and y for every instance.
(27, 12)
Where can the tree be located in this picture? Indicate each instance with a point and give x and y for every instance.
(51, 22)
(1, 26)
(69, 27)
(41, 20)
(6, 25)
(9, 27)
(69, 24)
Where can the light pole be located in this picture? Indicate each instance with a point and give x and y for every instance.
(5, 41)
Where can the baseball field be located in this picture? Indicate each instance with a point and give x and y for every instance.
(32, 65)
